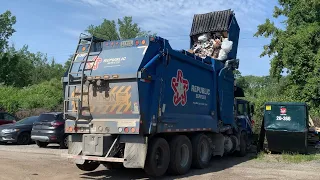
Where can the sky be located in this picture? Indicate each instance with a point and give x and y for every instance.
(53, 26)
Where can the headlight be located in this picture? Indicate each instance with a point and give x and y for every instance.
(9, 130)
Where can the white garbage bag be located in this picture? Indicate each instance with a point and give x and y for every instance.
(203, 38)
(226, 45)
(222, 55)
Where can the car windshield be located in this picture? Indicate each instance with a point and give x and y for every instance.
(28, 120)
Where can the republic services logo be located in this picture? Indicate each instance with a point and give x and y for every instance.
(180, 86)
(283, 110)
(95, 64)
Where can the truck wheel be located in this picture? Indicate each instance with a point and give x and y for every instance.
(158, 157)
(243, 145)
(201, 151)
(88, 165)
(42, 144)
(181, 155)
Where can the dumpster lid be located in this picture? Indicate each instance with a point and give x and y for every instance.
(211, 22)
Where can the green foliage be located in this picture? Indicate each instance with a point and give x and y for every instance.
(287, 157)
(296, 49)
(128, 29)
(259, 90)
(6, 28)
(299, 158)
(27, 80)
(22, 68)
(44, 95)
(14, 71)
(108, 30)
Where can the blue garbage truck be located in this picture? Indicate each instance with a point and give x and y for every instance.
(139, 103)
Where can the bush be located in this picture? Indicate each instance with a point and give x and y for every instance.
(47, 95)
(30, 112)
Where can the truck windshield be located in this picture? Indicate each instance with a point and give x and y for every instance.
(241, 109)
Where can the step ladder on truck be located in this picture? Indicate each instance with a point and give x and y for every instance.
(138, 103)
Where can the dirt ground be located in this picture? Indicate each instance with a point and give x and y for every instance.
(30, 162)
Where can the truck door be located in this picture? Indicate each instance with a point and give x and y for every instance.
(243, 115)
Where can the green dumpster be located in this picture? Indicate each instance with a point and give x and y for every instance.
(286, 126)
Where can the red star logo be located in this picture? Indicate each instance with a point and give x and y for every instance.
(180, 87)
(94, 65)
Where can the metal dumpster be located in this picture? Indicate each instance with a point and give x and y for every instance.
(286, 126)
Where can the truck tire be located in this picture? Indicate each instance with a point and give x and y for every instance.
(180, 155)
(42, 144)
(243, 145)
(158, 157)
(201, 151)
(88, 165)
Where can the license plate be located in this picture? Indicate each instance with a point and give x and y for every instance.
(126, 43)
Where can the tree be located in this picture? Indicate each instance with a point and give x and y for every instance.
(295, 49)
(6, 28)
(108, 30)
(15, 70)
(22, 68)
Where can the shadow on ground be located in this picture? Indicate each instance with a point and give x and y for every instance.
(217, 164)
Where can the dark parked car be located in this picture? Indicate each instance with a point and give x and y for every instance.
(50, 129)
(18, 132)
(7, 118)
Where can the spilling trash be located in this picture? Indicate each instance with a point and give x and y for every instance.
(215, 34)
(215, 46)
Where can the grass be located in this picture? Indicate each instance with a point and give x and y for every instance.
(260, 156)
(287, 157)
(299, 158)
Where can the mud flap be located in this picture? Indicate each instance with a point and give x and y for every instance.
(75, 146)
(218, 142)
(135, 155)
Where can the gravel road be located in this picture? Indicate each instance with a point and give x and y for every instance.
(32, 163)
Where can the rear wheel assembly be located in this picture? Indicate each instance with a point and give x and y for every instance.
(201, 151)
(180, 155)
(88, 165)
(158, 157)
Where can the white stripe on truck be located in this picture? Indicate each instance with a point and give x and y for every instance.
(94, 158)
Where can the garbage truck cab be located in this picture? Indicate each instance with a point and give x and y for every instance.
(245, 111)
(138, 103)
